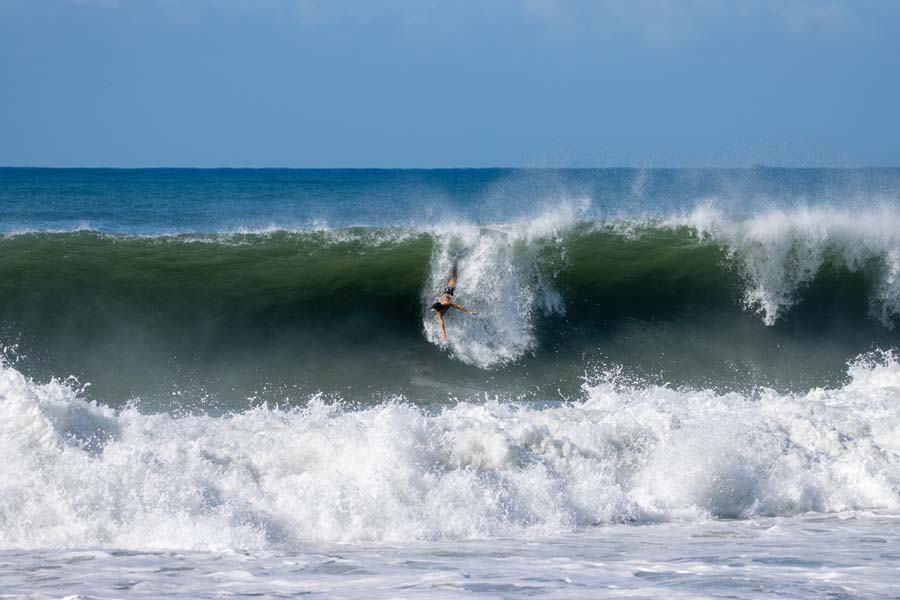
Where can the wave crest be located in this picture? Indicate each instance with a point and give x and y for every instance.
(782, 251)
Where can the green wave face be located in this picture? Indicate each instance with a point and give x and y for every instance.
(240, 319)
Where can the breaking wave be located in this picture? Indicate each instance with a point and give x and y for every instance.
(526, 279)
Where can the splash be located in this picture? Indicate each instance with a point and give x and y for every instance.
(505, 274)
(79, 474)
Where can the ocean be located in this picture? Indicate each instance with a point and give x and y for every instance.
(679, 383)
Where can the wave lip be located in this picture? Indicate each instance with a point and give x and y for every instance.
(80, 474)
(781, 251)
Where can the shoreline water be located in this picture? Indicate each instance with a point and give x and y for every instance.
(813, 556)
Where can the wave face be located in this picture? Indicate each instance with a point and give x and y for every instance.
(332, 310)
(82, 475)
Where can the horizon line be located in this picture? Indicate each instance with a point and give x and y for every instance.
(755, 166)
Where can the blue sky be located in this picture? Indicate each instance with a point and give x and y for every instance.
(443, 83)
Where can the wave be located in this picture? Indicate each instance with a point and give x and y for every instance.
(79, 474)
(777, 299)
(780, 252)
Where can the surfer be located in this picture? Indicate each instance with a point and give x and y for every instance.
(445, 303)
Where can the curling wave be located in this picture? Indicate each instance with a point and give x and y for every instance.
(349, 308)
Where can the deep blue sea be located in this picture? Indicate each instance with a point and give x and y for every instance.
(678, 383)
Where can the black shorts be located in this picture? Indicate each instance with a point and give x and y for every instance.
(449, 290)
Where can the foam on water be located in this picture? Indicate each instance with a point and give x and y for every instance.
(78, 474)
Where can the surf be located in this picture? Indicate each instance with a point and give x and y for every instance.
(81, 474)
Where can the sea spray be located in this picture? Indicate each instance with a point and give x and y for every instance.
(506, 274)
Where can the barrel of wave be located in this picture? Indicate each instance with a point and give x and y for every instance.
(500, 276)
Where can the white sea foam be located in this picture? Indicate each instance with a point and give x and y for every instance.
(782, 250)
(77, 474)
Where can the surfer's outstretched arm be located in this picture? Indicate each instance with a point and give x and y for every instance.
(464, 309)
(440, 320)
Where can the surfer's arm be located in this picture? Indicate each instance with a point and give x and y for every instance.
(440, 320)
(464, 309)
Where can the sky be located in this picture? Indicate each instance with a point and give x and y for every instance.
(449, 83)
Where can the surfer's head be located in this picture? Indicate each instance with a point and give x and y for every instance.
(437, 306)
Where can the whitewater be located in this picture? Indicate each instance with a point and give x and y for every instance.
(678, 384)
